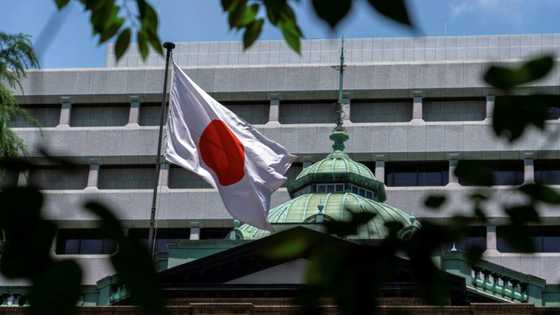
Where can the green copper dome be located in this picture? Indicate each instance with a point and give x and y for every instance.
(338, 167)
(326, 190)
(335, 206)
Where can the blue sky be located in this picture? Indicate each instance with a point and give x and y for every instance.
(194, 20)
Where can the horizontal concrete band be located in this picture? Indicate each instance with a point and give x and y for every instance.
(387, 141)
(287, 82)
(203, 207)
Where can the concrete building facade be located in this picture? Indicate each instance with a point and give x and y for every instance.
(414, 107)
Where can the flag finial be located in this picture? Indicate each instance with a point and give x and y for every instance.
(340, 101)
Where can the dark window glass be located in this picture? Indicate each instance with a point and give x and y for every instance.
(417, 173)
(253, 112)
(45, 116)
(454, 109)
(60, 177)
(149, 114)
(370, 165)
(476, 237)
(554, 113)
(308, 112)
(214, 233)
(126, 177)
(8, 177)
(546, 239)
(397, 110)
(547, 172)
(293, 172)
(83, 242)
(182, 178)
(99, 115)
(163, 237)
(505, 172)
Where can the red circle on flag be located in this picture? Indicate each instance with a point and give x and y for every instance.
(222, 151)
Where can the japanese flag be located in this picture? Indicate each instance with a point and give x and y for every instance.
(206, 138)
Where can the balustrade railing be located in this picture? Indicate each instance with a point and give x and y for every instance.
(499, 285)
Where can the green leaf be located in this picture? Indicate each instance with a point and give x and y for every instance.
(519, 237)
(522, 214)
(435, 201)
(295, 246)
(61, 3)
(507, 78)
(57, 290)
(513, 114)
(142, 44)
(228, 5)
(346, 228)
(112, 30)
(236, 14)
(395, 10)
(473, 254)
(542, 193)
(474, 173)
(292, 35)
(252, 32)
(332, 11)
(249, 15)
(122, 43)
(153, 38)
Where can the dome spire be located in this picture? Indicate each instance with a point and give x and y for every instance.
(339, 135)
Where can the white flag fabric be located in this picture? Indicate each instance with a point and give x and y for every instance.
(208, 139)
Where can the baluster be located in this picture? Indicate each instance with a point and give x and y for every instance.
(508, 290)
(487, 283)
(524, 293)
(500, 285)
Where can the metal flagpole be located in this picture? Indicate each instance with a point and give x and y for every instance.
(152, 233)
(340, 86)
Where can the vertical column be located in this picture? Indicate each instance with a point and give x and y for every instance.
(380, 170)
(489, 106)
(417, 108)
(134, 113)
(23, 178)
(274, 110)
(93, 176)
(491, 239)
(453, 160)
(195, 233)
(163, 174)
(529, 169)
(346, 110)
(66, 107)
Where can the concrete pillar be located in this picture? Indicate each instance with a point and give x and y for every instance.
(417, 108)
(66, 107)
(491, 239)
(528, 170)
(346, 107)
(490, 106)
(93, 176)
(453, 180)
(274, 110)
(23, 178)
(163, 174)
(134, 112)
(380, 170)
(195, 233)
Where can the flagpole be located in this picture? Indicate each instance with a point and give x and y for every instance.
(152, 232)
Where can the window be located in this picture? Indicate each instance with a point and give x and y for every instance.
(83, 242)
(547, 172)
(476, 237)
(505, 172)
(454, 109)
(214, 233)
(254, 112)
(163, 237)
(8, 177)
(417, 173)
(60, 177)
(126, 177)
(46, 116)
(308, 112)
(99, 115)
(395, 110)
(554, 113)
(546, 239)
(149, 114)
(182, 178)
